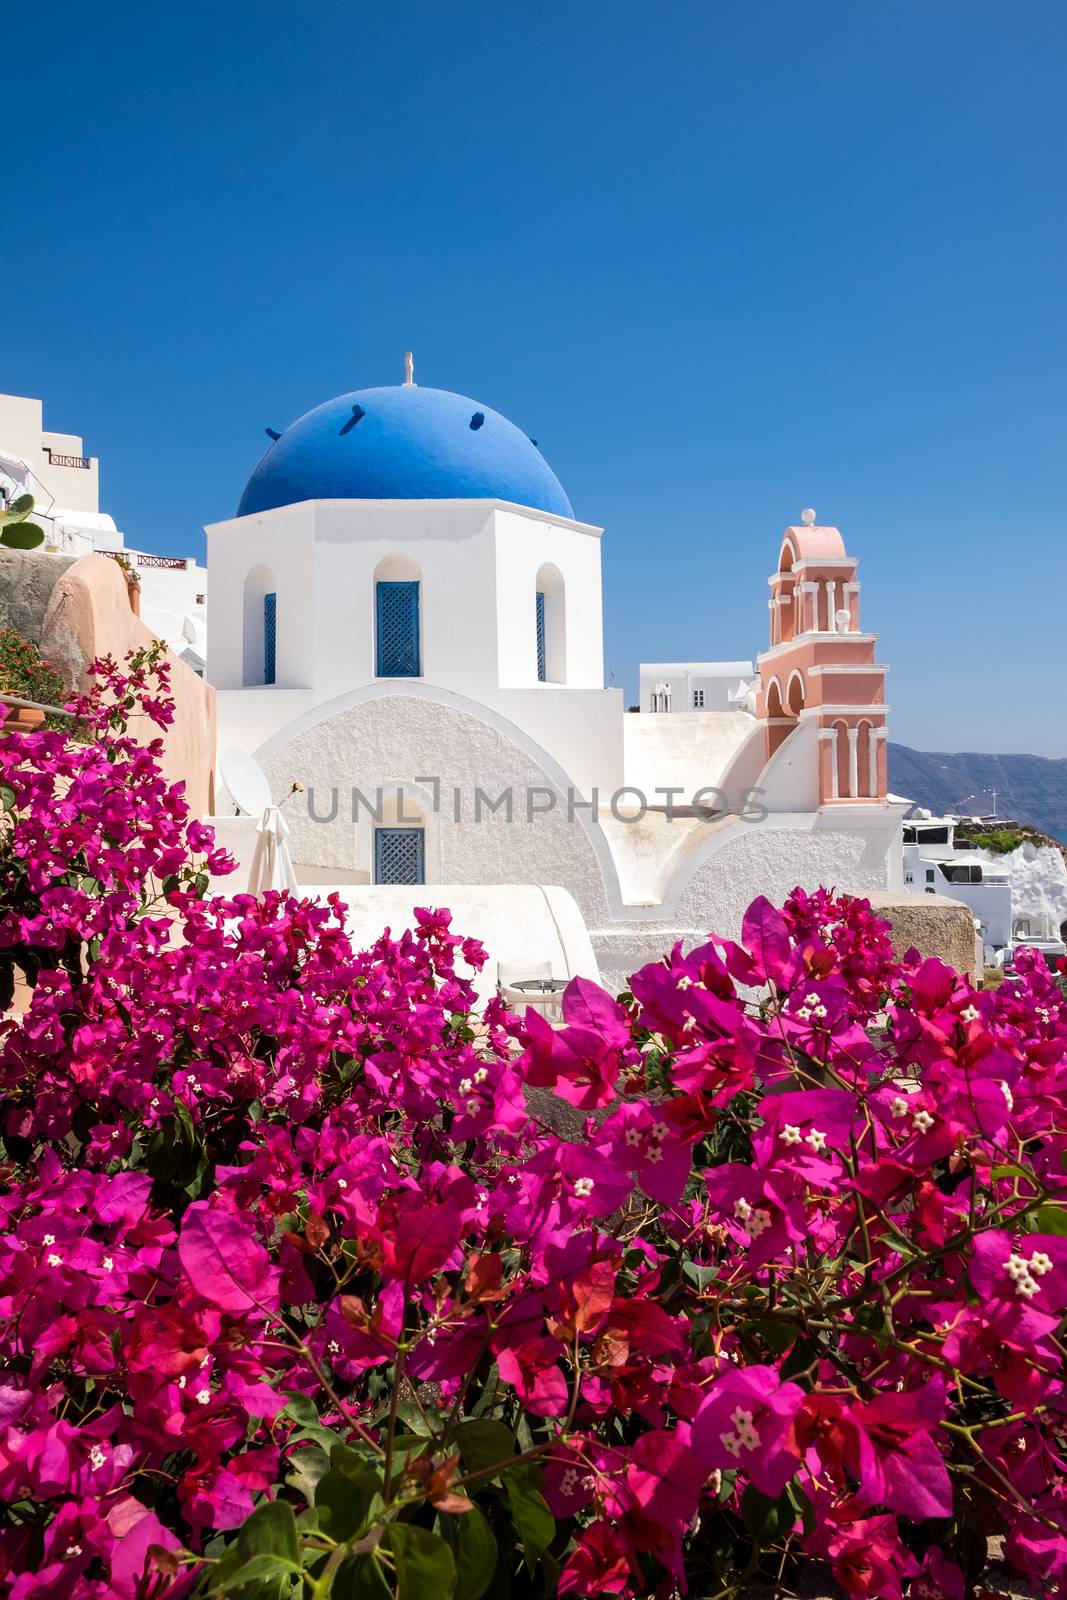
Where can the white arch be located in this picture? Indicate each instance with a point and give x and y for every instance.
(550, 583)
(794, 705)
(259, 582)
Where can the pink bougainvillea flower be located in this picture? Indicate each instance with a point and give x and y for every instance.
(748, 1422)
(891, 1453)
(598, 1564)
(532, 1370)
(225, 1262)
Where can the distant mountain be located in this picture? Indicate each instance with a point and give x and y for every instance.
(1029, 789)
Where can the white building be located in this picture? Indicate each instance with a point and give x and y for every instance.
(934, 864)
(65, 484)
(697, 686)
(407, 621)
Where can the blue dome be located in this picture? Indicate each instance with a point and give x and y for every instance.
(403, 443)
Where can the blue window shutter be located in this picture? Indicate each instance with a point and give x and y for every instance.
(541, 669)
(399, 855)
(270, 638)
(397, 606)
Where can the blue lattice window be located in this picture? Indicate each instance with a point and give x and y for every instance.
(399, 855)
(397, 606)
(542, 670)
(270, 638)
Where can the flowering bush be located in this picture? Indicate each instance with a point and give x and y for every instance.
(26, 674)
(300, 1297)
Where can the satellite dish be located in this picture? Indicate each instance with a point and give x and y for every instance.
(246, 781)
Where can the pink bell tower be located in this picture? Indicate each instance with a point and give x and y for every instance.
(821, 665)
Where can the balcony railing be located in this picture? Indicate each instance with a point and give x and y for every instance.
(57, 460)
(171, 563)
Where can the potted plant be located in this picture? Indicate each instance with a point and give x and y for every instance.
(133, 581)
(26, 675)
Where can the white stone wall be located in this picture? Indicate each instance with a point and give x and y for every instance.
(688, 753)
(1038, 875)
(396, 739)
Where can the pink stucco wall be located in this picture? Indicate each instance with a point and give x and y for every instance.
(89, 615)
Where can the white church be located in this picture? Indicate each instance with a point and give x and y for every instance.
(406, 632)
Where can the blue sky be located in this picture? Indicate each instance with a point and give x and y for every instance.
(723, 261)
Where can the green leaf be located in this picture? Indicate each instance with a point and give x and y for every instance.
(533, 1521)
(777, 1336)
(473, 1547)
(307, 1467)
(310, 1425)
(767, 1520)
(270, 1530)
(483, 1442)
(20, 507)
(7, 797)
(425, 1569)
(22, 536)
(360, 1578)
(345, 1495)
(701, 1276)
(233, 1573)
(411, 1416)
(1051, 1219)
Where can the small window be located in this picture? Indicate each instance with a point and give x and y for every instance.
(698, 699)
(270, 638)
(930, 875)
(399, 855)
(542, 663)
(397, 653)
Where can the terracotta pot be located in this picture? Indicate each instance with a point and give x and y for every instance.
(19, 719)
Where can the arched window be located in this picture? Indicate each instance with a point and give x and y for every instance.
(866, 758)
(778, 730)
(842, 763)
(795, 696)
(397, 621)
(550, 625)
(787, 617)
(399, 839)
(260, 654)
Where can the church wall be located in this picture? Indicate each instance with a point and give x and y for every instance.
(281, 542)
(397, 739)
(448, 548)
(524, 545)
